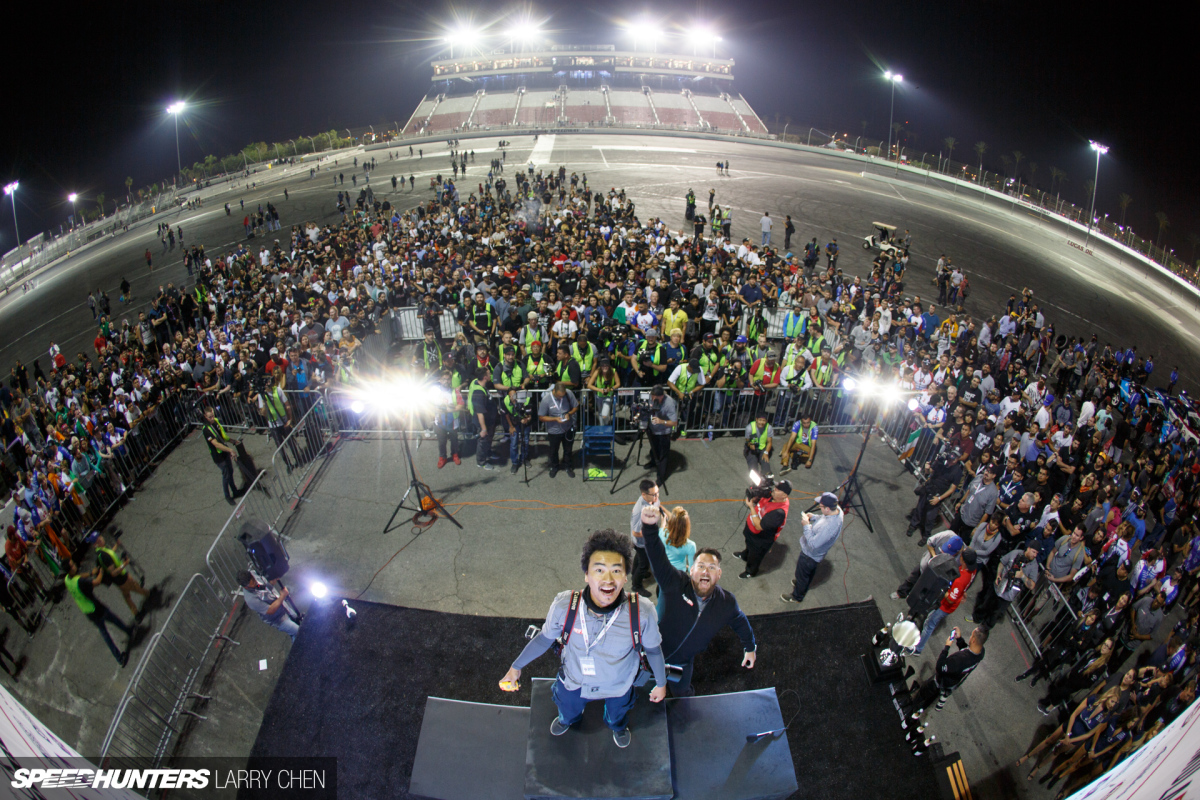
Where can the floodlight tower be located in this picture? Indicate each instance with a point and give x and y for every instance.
(1100, 150)
(893, 79)
(11, 190)
(74, 219)
(175, 109)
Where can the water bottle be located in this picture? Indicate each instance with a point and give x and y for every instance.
(710, 433)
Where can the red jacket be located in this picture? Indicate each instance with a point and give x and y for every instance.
(957, 590)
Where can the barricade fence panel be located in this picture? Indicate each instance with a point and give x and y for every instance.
(149, 720)
(1043, 617)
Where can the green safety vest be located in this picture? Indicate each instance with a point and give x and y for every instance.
(115, 558)
(657, 350)
(823, 371)
(754, 327)
(604, 386)
(276, 404)
(219, 434)
(687, 381)
(815, 341)
(563, 370)
(437, 351)
(512, 378)
(533, 333)
(474, 387)
(735, 371)
(585, 362)
(762, 370)
(709, 361)
(763, 438)
(804, 435)
(345, 373)
(536, 369)
(793, 324)
(81, 600)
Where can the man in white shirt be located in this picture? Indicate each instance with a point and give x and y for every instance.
(766, 223)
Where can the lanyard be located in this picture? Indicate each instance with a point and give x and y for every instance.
(587, 646)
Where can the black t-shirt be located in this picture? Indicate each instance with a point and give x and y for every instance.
(770, 525)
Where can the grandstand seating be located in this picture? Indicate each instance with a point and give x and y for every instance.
(717, 113)
(675, 109)
(420, 115)
(586, 107)
(534, 110)
(452, 113)
(630, 107)
(752, 121)
(494, 109)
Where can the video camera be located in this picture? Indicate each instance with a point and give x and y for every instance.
(1015, 575)
(641, 410)
(760, 488)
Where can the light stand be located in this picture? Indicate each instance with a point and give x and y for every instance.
(423, 501)
(638, 443)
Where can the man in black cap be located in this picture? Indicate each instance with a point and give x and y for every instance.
(819, 536)
(664, 416)
(765, 521)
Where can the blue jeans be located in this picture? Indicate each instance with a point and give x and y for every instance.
(766, 238)
(931, 622)
(518, 445)
(570, 706)
(287, 625)
(99, 617)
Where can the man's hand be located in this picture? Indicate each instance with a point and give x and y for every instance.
(658, 694)
(510, 682)
(804, 517)
(748, 660)
(650, 516)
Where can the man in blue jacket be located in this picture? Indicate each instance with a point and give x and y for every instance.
(691, 606)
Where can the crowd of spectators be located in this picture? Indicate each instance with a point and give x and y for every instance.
(533, 277)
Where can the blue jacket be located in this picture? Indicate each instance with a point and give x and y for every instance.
(685, 631)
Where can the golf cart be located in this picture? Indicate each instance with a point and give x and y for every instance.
(883, 239)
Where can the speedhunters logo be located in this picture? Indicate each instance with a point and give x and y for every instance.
(169, 779)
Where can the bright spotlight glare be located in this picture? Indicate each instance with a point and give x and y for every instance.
(11, 187)
(913, 405)
(1099, 148)
(890, 393)
(899, 79)
(358, 406)
(72, 197)
(176, 108)
(524, 31)
(849, 384)
(464, 37)
(755, 478)
(318, 589)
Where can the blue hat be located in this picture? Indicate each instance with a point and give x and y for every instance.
(740, 340)
(953, 545)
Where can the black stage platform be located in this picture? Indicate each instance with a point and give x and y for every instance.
(361, 695)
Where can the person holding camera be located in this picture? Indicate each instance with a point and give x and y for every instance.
(222, 450)
(687, 381)
(664, 416)
(757, 448)
(603, 636)
(683, 597)
(649, 362)
(768, 506)
(518, 419)
(557, 410)
(1018, 572)
(815, 543)
(801, 445)
(269, 603)
(944, 474)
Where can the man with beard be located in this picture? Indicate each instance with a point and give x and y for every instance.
(683, 599)
(600, 648)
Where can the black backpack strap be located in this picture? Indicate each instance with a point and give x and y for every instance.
(635, 626)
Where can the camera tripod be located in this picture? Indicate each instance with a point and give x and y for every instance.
(641, 435)
(424, 503)
(851, 490)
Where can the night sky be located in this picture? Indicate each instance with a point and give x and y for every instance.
(86, 110)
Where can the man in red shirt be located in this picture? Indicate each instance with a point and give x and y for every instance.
(100, 343)
(968, 566)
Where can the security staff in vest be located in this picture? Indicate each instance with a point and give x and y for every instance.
(686, 382)
(801, 445)
(584, 353)
(479, 406)
(428, 355)
(221, 448)
(481, 320)
(692, 608)
(114, 571)
(517, 414)
(557, 411)
(80, 588)
(765, 521)
(531, 333)
(273, 401)
(664, 416)
(566, 371)
(601, 656)
(794, 322)
(508, 373)
(649, 363)
(757, 448)
(538, 368)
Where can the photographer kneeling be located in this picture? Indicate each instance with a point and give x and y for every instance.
(768, 506)
(757, 449)
(664, 415)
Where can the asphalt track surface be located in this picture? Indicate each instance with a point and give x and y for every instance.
(1002, 248)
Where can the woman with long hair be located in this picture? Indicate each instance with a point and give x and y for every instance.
(676, 533)
(604, 382)
(1087, 670)
(1089, 716)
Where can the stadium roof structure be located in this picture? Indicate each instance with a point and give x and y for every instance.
(599, 59)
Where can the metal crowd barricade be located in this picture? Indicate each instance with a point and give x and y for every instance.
(297, 458)
(159, 699)
(1042, 616)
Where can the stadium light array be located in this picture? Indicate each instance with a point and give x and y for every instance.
(702, 36)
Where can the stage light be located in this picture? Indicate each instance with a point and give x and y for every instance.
(849, 384)
(358, 406)
(755, 478)
(400, 394)
(890, 393)
(318, 589)
(524, 31)
(176, 108)
(913, 405)
(1099, 148)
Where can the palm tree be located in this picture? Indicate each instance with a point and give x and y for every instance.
(1059, 177)
(981, 148)
(950, 142)
(1088, 186)
(128, 186)
(1007, 162)
(1124, 200)
(1193, 240)
(1017, 156)
(864, 128)
(896, 128)
(100, 203)
(1032, 172)
(1161, 216)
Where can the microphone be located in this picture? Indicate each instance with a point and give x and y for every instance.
(751, 738)
(754, 737)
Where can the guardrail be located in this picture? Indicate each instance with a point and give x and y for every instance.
(160, 699)
(1043, 617)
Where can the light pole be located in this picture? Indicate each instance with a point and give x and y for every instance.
(175, 109)
(1100, 150)
(74, 219)
(11, 190)
(892, 79)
